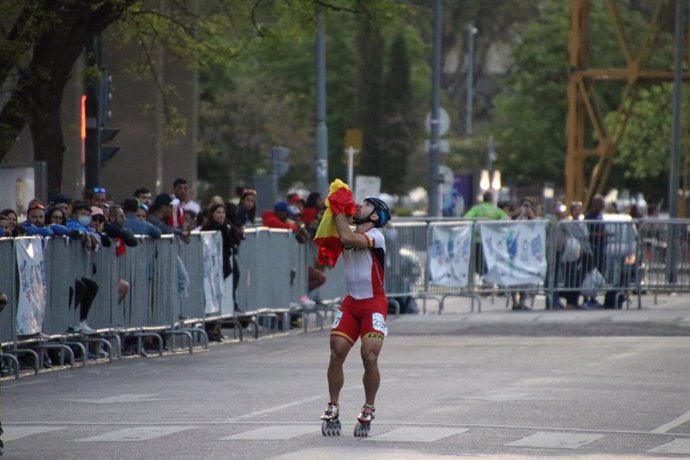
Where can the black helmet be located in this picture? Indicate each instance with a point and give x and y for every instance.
(381, 209)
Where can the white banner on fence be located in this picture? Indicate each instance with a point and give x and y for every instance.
(450, 250)
(213, 272)
(515, 252)
(32, 286)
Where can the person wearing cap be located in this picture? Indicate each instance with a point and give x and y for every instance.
(160, 212)
(97, 197)
(282, 216)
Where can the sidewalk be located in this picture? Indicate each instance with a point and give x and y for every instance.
(670, 316)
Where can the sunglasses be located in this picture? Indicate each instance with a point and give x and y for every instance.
(98, 190)
(98, 219)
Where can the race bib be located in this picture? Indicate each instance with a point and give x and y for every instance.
(336, 319)
(378, 322)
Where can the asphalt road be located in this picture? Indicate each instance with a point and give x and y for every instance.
(453, 385)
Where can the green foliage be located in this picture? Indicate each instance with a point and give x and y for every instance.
(530, 114)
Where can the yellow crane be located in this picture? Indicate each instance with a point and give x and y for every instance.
(583, 113)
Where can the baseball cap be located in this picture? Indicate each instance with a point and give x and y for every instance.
(281, 206)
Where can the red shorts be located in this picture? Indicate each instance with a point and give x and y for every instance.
(361, 318)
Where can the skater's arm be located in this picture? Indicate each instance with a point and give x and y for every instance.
(350, 238)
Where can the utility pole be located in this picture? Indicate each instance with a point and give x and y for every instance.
(434, 148)
(321, 160)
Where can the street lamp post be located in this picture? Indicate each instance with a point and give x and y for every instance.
(471, 32)
(434, 149)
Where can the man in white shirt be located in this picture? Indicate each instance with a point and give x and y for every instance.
(364, 310)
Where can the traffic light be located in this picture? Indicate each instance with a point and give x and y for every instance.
(279, 156)
(107, 151)
(106, 134)
(106, 96)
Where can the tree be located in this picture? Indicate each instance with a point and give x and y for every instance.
(38, 53)
(42, 41)
(398, 134)
(530, 113)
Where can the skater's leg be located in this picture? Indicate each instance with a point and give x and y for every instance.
(340, 347)
(371, 348)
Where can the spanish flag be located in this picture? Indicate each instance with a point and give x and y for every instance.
(339, 201)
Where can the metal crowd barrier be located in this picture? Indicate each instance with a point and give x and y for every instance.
(427, 259)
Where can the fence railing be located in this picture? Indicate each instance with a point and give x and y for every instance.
(425, 259)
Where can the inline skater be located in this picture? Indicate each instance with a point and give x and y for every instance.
(363, 311)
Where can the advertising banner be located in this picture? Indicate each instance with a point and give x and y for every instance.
(449, 253)
(515, 252)
(33, 291)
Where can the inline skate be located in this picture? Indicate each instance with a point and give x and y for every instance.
(330, 423)
(364, 421)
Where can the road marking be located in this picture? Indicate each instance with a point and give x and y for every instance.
(672, 424)
(677, 446)
(281, 432)
(17, 432)
(294, 403)
(126, 398)
(142, 433)
(418, 434)
(556, 440)
(501, 396)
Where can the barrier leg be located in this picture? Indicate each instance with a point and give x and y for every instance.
(63, 349)
(12, 359)
(174, 332)
(140, 344)
(84, 352)
(237, 326)
(201, 332)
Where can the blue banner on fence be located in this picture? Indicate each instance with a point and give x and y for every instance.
(32, 286)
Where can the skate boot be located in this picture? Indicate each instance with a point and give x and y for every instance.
(330, 423)
(364, 421)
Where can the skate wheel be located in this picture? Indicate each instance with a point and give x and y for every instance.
(330, 427)
(362, 430)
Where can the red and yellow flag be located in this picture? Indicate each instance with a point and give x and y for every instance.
(339, 201)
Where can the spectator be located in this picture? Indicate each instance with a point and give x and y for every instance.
(597, 242)
(246, 211)
(142, 212)
(486, 210)
(178, 198)
(160, 212)
(312, 212)
(283, 216)
(230, 235)
(287, 217)
(35, 222)
(97, 197)
(526, 213)
(62, 202)
(98, 225)
(143, 195)
(80, 224)
(5, 226)
(56, 216)
(134, 223)
(15, 229)
(114, 228)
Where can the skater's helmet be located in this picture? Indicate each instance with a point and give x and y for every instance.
(381, 209)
